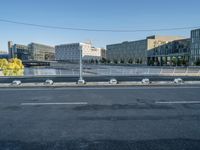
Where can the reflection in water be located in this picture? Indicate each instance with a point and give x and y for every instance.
(13, 72)
(38, 71)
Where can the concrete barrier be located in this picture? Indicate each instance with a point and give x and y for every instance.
(59, 79)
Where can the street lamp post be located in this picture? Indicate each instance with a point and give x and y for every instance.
(81, 64)
(81, 80)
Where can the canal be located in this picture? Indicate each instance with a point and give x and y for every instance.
(40, 71)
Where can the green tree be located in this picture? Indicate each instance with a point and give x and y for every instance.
(151, 62)
(115, 61)
(122, 61)
(103, 60)
(179, 62)
(174, 61)
(184, 62)
(108, 61)
(137, 61)
(92, 61)
(197, 63)
(130, 61)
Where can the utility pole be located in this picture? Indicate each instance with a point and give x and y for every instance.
(81, 64)
(81, 80)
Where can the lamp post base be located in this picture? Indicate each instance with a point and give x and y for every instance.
(81, 82)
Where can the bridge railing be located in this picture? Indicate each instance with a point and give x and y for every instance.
(114, 71)
(137, 71)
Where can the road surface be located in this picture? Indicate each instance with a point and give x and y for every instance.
(138, 118)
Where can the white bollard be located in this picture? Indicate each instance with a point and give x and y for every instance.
(16, 82)
(48, 82)
(81, 82)
(145, 81)
(113, 81)
(178, 81)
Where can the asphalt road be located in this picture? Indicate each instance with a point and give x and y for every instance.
(134, 118)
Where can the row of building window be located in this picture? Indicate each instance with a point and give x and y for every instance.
(195, 52)
(195, 34)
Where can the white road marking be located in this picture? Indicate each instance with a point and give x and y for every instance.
(178, 102)
(68, 103)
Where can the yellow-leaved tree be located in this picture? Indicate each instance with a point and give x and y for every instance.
(12, 67)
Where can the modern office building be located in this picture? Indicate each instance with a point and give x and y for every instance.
(20, 51)
(172, 53)
(126, 51)
(179, 52)
(136, 51)
(71, 52)
(40, 52)
(10, 49)
(33, 51)
(195, 47)
(94, 54)
(4, 54)
(156, 41)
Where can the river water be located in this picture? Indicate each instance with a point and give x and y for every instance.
(38, 71)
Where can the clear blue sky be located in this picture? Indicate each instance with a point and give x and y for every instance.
(100, 14)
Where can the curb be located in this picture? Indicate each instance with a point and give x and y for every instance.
(96, 84)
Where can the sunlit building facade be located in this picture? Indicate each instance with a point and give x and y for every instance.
(171, 53)
(136, 51)
(41, 52)
(33, 51)
(71, 52)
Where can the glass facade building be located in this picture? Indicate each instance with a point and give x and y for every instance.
(41, 52)
(195, 46)
(136, 51)
(33, 51)
(166, 53)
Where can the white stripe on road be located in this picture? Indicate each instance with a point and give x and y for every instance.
(69, 103)
(178, 102)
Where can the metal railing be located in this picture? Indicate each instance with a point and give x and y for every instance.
(145, 71)
(115, 71)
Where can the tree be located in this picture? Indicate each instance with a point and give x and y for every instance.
(130, 61)
(151, 62)
(137, 61)
(103, 60)
(179, 62)
(115, 61)
(197, 63)
(184, 62)
(92, 61)
(122, 61)
(174, 61)
(108, 61)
